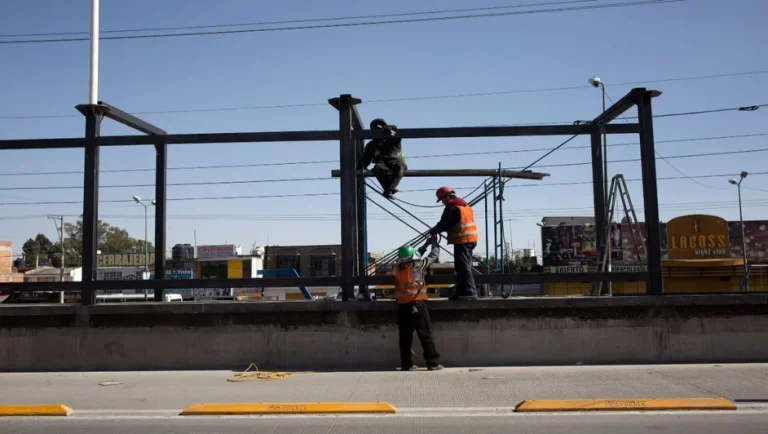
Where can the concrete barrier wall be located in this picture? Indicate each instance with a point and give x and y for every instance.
(363, 336)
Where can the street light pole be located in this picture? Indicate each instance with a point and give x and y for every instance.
(741, 223)
(137, 199)
(597, 82)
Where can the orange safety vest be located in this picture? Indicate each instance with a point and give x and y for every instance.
(465, 231)
(409, 284)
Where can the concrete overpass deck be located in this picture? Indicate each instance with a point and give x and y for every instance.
(331, 335)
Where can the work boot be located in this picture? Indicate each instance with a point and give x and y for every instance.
(467, 297)
(437, 367)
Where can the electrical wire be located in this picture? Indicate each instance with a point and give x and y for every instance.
(417, 98)
(334, 217)
(295, 21)
(340, 25)
(418, 190)
(669, 163)
(411, 157)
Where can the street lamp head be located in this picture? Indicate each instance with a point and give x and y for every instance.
(137, 199)
(733, 181)
(595, 81)
(744, 175)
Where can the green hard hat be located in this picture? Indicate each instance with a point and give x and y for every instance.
(405, 252)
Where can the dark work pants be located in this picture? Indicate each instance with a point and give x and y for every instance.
(410, 317)
(390, 177)
(462, 262)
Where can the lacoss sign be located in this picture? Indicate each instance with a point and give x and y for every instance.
(698, 236)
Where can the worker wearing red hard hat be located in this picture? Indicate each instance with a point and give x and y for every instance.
(458, 220)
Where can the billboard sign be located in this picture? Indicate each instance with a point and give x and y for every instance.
(686, 237)
(223, 251)
(698, 236)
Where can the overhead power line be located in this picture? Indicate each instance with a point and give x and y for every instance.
(354, 24)
(315, 179)
(520, 212)
(296, 21)
(302, 195)
(415, 98)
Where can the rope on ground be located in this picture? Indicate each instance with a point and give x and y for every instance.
(257, 375)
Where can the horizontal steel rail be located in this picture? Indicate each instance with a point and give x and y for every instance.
(288, 282)
(511, 131)
(177, 139)
(430, 173)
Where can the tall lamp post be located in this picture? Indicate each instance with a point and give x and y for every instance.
(597, 82)
(138, 200)
(742, 175)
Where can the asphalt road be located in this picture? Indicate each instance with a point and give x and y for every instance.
(753, 422)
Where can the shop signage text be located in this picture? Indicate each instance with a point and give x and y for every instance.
(124, 260)
(216, 251)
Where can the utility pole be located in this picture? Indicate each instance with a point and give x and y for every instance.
(60, 229)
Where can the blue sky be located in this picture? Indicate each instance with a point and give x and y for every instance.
(642, 43)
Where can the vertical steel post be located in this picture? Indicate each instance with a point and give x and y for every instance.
(161, 171)
(599, 288)
(501, 221)
(495, 230)
(349, 190)
(655, 284)
(362, 223)
(487, 235)
(94, 114)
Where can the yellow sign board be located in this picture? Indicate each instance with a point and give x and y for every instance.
(698, 237)
(124, 260)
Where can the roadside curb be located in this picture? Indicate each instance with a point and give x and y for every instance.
(35, 410)
(288, 408)
(652, 404)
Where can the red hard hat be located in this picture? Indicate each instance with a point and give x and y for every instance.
(442, 192)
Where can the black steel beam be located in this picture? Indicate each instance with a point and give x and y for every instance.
(94, 114)
(520, 279)
(177, 139)
(362, 208)
(349, 190)
(262, 282)
(655, 284)
(317, 136)
(161, 176)
(544, 130)
(64, 143)
(460, 172)
(598, 193)
(130, 120)
(618, 108)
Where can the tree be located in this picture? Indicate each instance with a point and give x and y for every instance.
(514, 263)
(111, 239)
(39, 248)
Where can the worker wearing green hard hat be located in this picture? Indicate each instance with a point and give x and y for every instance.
(411, 294)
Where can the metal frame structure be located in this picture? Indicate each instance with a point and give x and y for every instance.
(350, 135)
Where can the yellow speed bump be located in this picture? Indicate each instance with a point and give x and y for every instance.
(666, 404)
(35, 410)
(288, 408)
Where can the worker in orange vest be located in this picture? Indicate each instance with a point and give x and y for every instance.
(458, 220)
(412, 314)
